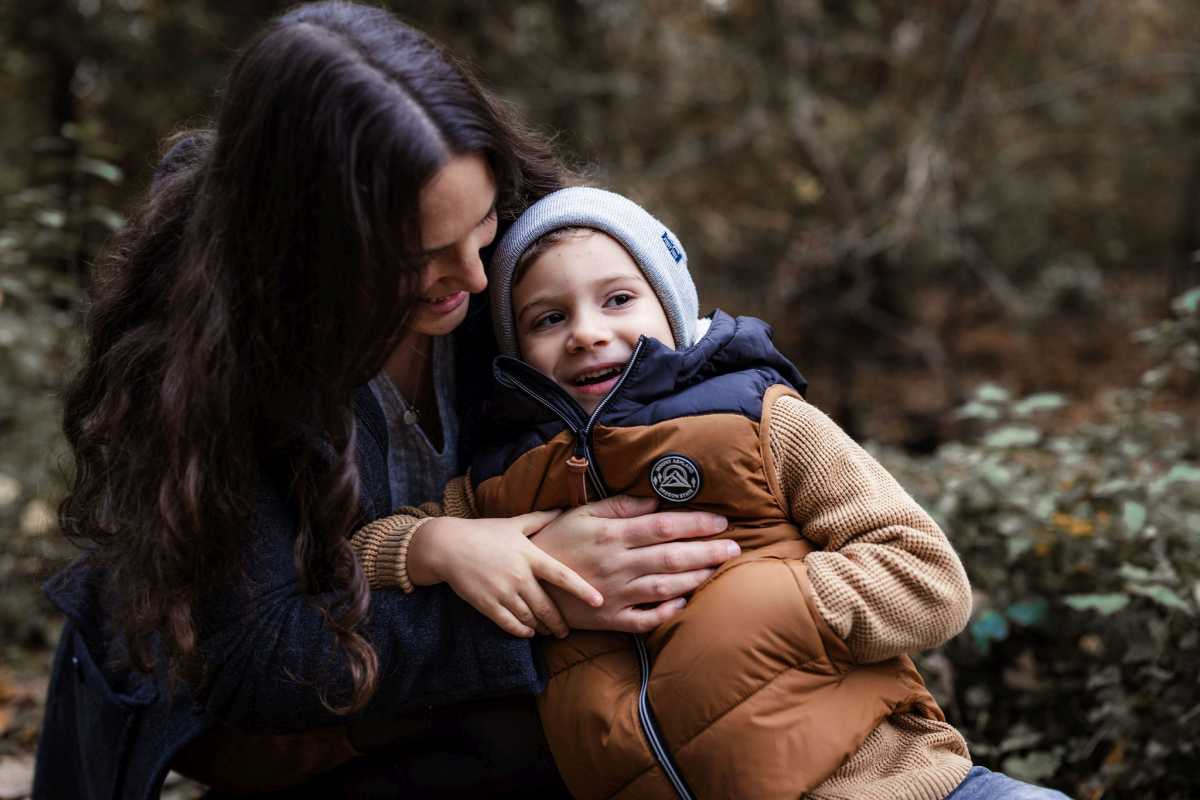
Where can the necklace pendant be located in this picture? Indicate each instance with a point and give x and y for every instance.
(411, 417)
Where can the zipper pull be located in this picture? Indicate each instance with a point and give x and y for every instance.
(577, 468)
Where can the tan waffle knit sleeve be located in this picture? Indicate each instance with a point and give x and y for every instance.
(382, 545)
(885, 577)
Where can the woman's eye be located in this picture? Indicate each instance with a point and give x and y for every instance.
(619, 299)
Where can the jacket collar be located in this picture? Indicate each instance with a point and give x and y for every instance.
(656, 372)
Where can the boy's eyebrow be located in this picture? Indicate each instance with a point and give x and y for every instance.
(525, 308)
(548, 297)
(491, 210)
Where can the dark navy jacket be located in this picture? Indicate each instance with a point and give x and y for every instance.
(111, 732)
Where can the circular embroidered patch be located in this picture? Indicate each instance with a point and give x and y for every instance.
(675, 478)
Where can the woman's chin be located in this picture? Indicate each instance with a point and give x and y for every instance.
(436, 323)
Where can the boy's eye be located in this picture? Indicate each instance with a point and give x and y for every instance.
(546, 320)
(619, 299)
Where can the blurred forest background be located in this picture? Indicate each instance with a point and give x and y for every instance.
(975, 226)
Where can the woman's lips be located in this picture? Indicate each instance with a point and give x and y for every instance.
(446, 303)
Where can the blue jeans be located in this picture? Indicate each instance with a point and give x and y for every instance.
(983, 784)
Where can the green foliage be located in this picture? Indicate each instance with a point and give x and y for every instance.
(1079, 666)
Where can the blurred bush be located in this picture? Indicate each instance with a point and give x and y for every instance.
(941, 189)
(1079, 667)
(48, 232)
(920, 196)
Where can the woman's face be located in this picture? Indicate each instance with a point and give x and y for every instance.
(458, 219)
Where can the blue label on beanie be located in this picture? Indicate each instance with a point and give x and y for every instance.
(671, 247)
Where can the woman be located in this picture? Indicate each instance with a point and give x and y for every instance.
(227, 445)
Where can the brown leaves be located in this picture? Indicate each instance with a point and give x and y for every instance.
(22, 699)
(21, 702)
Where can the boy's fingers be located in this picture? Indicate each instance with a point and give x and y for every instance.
(549, 618)
(534, 521)
(522, 611)
(510, 624)
(558, 574)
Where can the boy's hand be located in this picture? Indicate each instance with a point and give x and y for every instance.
(492, 565)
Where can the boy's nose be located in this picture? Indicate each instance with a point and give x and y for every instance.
(587, 332)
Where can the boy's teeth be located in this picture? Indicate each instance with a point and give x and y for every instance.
(595, 377)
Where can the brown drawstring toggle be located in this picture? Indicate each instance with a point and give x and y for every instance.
(577, 480)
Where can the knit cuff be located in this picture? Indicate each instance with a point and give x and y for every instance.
(382, 548)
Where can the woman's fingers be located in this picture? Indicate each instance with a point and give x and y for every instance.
(669, 526)
(644, 620)
(622, 506)
(675, 557)
(534, 521)
(658, 588)
(635, 518)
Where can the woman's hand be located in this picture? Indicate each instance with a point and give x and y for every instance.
(492, 565)
(634, 558)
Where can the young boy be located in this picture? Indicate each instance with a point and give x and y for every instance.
(785, 674)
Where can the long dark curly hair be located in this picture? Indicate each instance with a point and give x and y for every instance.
(268, 273)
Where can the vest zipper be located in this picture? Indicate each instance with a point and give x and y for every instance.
(650, 727)
(585, 436)
(579, 464)
(580, 461)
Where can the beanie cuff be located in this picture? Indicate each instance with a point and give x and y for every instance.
(657, 252)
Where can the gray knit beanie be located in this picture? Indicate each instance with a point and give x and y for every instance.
(654, 248)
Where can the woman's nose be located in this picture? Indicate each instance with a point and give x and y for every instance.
(464, 269)
(471, 272)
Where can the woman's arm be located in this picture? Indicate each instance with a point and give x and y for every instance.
(886, 579)
(269, 653)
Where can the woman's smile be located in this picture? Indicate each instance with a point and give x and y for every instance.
(446, 303)
(458, 219)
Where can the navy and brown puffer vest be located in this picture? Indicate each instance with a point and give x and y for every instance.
(745, 693)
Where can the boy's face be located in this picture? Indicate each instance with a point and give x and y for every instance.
(580, 308)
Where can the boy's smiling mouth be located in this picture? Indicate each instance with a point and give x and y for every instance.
(595, 381)
(596, 376)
